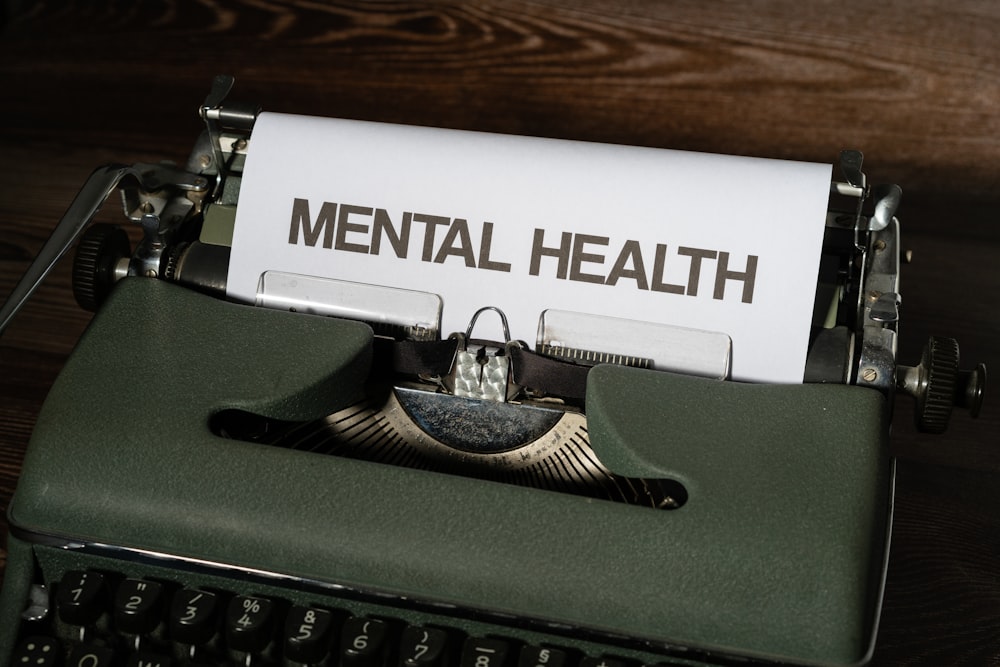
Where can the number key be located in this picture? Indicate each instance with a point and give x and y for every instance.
(248, 623)
(137, 606)
(81, 598)
(193, 618)
(484, 652)
(423, 647)
(364, 643)
(308, 634)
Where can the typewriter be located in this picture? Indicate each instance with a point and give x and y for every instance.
(199, 491)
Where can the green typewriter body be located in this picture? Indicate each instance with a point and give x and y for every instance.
(712, 522)
(778, 552)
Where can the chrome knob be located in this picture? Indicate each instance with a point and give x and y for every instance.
(938, 385)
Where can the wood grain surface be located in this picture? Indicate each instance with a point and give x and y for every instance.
(915, 85)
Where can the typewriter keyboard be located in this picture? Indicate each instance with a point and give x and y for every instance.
(107, 612)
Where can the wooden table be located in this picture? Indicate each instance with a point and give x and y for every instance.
(915, 85)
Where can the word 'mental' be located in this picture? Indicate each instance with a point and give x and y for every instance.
(584, 258)
(364, 229)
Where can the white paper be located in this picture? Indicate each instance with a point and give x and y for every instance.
(646, 231)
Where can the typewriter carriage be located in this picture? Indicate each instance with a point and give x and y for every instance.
(186, 217)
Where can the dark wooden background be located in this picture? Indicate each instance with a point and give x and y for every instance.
(916, 85)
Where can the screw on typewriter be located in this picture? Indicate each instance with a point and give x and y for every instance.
(937, 383)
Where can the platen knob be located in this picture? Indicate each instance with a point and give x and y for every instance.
(938, 385)
(97, 256)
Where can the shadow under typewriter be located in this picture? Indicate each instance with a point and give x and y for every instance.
(523, 444)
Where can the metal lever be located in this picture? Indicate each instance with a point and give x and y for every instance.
(220, 116)
(886, 203)
(102, 182)
(850, 167)
(221, 85)
(233, 115)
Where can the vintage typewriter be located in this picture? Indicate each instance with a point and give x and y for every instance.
(216, 483)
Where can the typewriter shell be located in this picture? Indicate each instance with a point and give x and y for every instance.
(779, 552)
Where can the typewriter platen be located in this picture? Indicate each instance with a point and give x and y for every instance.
(403, 496)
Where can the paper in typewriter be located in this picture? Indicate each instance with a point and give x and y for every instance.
(719, 243)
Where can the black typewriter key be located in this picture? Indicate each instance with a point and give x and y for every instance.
(37, 652)
(308, 634)
(81, 598)
(588, 661)
(88, 655)
(538, 656)
(485, 652)
(364, 643)
(193, 616)
(138, 606)
(249, 623)
(423, 647)
(148, 660)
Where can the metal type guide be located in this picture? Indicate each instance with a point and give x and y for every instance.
(263, 486)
